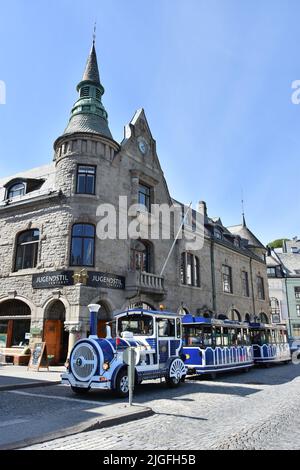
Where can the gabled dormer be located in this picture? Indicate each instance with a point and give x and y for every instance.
(18, 187)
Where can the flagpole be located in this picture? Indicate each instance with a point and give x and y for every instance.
(175, 240)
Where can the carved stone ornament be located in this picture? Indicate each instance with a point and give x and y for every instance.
(73, 326)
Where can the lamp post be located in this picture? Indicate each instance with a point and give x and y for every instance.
(94, 309)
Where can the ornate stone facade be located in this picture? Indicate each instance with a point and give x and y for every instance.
(55, 205)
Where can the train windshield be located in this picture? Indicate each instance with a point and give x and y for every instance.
(141, 325)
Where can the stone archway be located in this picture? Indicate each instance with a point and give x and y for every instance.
(143, 305)
(263, 318)
(235, 315)
(15, 320)
(54, 334)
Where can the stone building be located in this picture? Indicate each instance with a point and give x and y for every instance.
(283, 268)
(52, 263)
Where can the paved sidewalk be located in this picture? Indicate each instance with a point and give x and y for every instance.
(42, 413)
(15, 377)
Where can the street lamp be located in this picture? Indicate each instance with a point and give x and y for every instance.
(94, 309)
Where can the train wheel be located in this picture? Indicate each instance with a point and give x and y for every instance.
(176, 373)
(80, 391)
(122, 384)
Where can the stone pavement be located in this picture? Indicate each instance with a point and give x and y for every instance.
(258, 410)
(47, 411)
(19, 377)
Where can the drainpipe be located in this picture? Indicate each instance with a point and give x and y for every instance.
(288, 307)
(213, 279)
(252, 288)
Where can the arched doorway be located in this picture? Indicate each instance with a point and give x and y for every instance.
(235, 315)
(15, 318)
(55, 336)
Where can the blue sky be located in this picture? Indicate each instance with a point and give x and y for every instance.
(214, 78)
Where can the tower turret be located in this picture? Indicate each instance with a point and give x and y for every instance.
(88, 113)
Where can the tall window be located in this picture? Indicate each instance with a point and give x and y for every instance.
(298, 310)
(275, 310)
(82, 245)
(227, 279)
(27, 250)
(190, 270)
(140, 256)
(145, 196)
(245, 283)
(86, 176)
(260, 288)
(15, 190)
(297, 292)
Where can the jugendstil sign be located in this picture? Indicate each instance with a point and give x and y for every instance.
(67, 278)
(110, 281)
(52, 279)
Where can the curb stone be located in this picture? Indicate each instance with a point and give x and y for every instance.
(43, 383)
(138, 412)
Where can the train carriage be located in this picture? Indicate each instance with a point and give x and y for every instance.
(211, 346)
(269, 343)
(98, 363)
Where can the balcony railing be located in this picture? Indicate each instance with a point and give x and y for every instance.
(140, 281)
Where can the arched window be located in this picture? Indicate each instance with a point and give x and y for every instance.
(82, 245)
(190, 270)
(143, 305)
(17, 189)
(27, 249)
(141, 256)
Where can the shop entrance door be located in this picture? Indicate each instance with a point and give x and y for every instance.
(53, 338)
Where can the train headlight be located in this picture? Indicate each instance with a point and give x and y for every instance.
(106, 365)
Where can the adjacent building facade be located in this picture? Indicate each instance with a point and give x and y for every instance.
(53, 263)
(283, 266)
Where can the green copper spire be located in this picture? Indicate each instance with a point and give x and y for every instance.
(88, 113)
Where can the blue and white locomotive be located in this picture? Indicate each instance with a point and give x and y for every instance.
(97, 363)
(269, 343)
(212, 346)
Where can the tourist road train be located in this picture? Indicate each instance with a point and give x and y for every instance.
(171, 346)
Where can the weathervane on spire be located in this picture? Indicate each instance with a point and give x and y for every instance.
(243, 209)
(94, 34)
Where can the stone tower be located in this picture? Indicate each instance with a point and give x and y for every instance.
(87, 137)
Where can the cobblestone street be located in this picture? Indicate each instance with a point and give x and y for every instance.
(258, 410)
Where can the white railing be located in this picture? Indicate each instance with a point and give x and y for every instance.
(151, 281)
(141, 280)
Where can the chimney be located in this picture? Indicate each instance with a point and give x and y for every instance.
(202, 208)
(94, 309)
